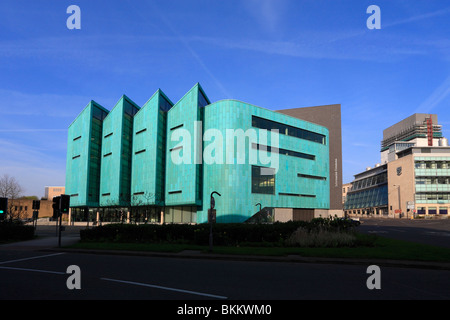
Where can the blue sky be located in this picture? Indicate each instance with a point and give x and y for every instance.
(276, 54)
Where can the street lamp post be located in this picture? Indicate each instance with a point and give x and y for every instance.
(210, 218)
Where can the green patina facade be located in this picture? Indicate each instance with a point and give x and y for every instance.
(234, 180)
(149, 151)
(116, 156)
(147, 164)
(84, 147)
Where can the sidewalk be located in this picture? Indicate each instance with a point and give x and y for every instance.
(42, 243)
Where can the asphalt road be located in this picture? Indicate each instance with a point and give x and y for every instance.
(29, 275)
(27, 272)
(433, 232)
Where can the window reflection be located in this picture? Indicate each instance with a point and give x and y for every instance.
(263, 180)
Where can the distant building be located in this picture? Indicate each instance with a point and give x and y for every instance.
(23, 208)
(51, 192)
(414, 177)
(369, 192)
(419, 130)
(346, 187)
(419, 182)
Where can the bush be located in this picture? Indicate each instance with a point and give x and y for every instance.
(224, 234)
(321, 238)
(232, 234)
(15, 231)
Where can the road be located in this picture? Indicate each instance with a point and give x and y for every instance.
(433, 232)
(43, 275)
(28, 272)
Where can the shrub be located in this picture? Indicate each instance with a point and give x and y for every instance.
(224, 234)
(15, 231)
(321, 238)
(232, 234)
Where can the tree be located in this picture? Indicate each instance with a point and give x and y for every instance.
(11, 189)
(29, 198)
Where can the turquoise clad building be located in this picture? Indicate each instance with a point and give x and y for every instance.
(161, 162)
(116, 156)
(84, 149)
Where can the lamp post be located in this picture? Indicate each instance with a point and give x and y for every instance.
(259, 206)
(210, 218)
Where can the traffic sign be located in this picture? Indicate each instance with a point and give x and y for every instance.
(212, 215)
(410, 205)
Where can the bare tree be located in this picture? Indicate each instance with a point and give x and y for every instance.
(11, 189)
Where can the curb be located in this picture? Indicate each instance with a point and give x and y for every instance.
(190, 254)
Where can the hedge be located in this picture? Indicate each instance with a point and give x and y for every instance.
(224, 234)
(12, 231)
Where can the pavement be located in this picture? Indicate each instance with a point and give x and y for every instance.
(42, 243)
(51, 243)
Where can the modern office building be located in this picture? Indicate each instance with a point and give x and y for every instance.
(369, 192)
(419, 182)
(419, 129)
(162, 162)
(414, 177)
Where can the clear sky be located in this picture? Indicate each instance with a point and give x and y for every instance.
(276, 54)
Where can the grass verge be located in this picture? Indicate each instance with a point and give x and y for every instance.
(379, 248)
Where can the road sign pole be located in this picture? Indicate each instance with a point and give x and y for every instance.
(210, 232)
(59, 229)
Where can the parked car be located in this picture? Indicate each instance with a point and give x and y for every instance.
(354, 221)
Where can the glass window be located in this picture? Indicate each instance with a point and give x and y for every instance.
(420, 165)
(443, 210)
(307, 176)
(164, 105)
(187, 215)
(263, 180)
(177, 214)
(266, 124)
(202, 100)
(98, 113)
(284, 151)
(130, 109)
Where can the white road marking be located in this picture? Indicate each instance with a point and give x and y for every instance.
(166, 288)
(24, 259)
(32, 270)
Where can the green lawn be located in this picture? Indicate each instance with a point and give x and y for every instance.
(379, 248)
